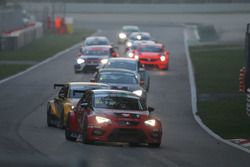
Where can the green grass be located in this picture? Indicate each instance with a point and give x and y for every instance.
(226, 118)
(39, 50)
(217, 68)
(45, 47)
(217, 72)
(8, 70)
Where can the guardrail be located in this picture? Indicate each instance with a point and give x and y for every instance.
(248, 102)
(16, 39)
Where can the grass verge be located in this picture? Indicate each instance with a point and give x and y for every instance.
(39, 50)
(217, 72)
(8, 70)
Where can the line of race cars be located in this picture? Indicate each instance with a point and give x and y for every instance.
(112, 107)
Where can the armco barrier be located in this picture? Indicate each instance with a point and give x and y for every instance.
(19, 38)
(248, 102)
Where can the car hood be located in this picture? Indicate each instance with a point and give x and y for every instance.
(121, 114)
(95, 57)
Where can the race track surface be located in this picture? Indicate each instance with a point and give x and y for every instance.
(26, 140)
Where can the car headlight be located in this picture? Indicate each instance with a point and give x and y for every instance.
(122, 35)
(129, 44)
(80, 61)
(104, 61)
(130, 54)
(139, 37)
(138, 92)
(102, 120)
(136, 57)
(163, 58)
(150, 122)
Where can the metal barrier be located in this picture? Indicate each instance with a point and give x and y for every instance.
(248, 102)
(20, 38)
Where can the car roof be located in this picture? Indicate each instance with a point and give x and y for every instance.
(130, 27)
(151, 44)
(93, 47)
(86, 84)
(123, 59)
(96, 37)
(117, 70)
(140, 33)
(105, 91)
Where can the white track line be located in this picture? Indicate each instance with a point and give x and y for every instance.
(194, 100)
(45, 61)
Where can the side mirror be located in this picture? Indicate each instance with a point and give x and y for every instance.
(61, 95)
(92, 80)
(167, 53)
(84, 105)
(114, 54)
(141, 69)
(142, 82)
(151, 109)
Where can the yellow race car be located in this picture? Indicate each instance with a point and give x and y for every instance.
(68, 96)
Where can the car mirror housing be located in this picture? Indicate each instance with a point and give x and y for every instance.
(61, 95)
(151, 109)
(141, 69)
(84, 105)
(92, 80)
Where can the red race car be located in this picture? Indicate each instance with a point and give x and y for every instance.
(152, 55)
(113, 116)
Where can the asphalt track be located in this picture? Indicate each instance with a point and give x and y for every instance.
(25, 140)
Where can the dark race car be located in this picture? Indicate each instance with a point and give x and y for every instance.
(138, 36)
(126, 31)
(91, 56)
(113, 116)
(121, 79)
(68, 96)
(96, 40)
(129, 64)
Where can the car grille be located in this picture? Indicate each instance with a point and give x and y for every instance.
(148, 59)
(92, 60)
(128, 123)
(126, 115)
(127, 135)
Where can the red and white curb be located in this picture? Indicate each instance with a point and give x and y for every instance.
(242, 142)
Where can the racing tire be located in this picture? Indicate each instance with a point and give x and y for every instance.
(67, 131)
(154, 145)
(49, 122)
(85, 139)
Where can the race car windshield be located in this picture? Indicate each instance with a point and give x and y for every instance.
(142, 38)
(150, 49)
(77, 92)
(121, 78)
(122, 64)
(96, 52)
(130, 29)
(109, 101)
(97, 42)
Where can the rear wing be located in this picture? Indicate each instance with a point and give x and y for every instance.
(58, 85)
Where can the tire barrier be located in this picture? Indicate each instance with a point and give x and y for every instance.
(242, 79)
(19, 38)
(248, 102)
